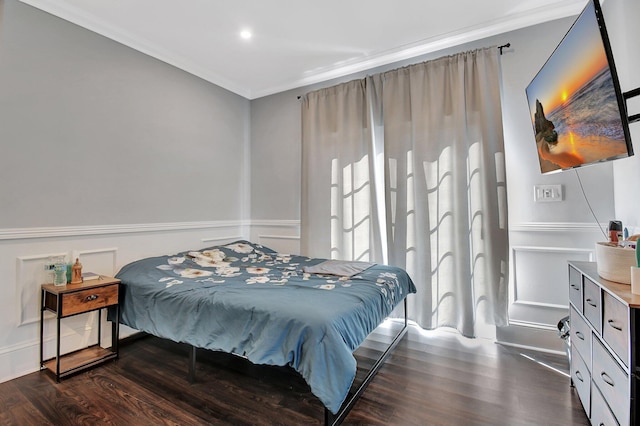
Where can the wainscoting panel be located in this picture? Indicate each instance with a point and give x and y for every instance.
(539, 295)
(101, 249)
(280, 235)
(540, 283)
(101, 261)
(214, 241)
(284, 244)
(30, 274)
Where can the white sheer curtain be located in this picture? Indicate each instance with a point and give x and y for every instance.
(441, 182)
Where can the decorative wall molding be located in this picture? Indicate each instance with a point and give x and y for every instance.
(276, 223)
(29, 276)
(95, 253)
(279, 237)
(532, 324)
(550, 249)
(74, 231)
(556, 227)
(535, 313)
(541, 305)
(220, 239)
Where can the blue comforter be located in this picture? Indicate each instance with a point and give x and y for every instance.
(249, 300)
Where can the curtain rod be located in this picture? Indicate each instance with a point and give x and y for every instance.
(504, 46)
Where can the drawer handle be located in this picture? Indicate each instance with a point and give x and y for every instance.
(91, 298)
(607, 379)
(592, 304)
(612, 322)
(579, 335)
(579, 376)
(575, 287)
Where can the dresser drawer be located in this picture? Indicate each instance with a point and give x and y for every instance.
(592, 306)
(575, 288)
(612, 381)
(86, 300)
(600, 413)
(615, 327)
(581, 379)
(580, 335)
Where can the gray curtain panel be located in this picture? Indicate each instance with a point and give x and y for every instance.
(338, 218)
(425, 144)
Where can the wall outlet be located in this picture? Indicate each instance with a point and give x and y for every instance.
(547, 193)
(48, 266)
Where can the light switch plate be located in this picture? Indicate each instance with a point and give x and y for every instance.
(547, 193)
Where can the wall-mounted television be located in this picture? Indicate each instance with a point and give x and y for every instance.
(577, 109)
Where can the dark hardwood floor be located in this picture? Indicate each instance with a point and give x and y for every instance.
(432, 378)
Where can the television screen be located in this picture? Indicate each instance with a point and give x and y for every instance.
(577, 109)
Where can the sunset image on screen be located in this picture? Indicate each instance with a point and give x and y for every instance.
(573, 103)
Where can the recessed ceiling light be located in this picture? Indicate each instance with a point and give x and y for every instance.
(245, 34)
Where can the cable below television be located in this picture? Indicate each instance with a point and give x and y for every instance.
(606, 238)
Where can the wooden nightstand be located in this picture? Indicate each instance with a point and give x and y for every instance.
(74, 299)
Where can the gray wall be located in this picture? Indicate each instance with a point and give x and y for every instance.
(95, 133)
(275, 157)
(622, 24)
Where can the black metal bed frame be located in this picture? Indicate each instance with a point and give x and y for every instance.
(331, 419)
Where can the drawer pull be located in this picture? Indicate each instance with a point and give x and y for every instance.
(607, 379)
(612, 322)
(579, 376)
(579, 335)
(575, 287)
(589, 301)
(91, 298)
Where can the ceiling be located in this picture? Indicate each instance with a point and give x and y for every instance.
(297, 42)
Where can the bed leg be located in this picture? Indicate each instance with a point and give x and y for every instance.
(192, 364)
(329, 418)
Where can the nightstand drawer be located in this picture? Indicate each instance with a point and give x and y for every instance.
(580, 334)
(592, 304)
(87, 300)
(615, 326)
(612, 381)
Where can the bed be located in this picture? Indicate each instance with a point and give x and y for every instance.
(272, 308)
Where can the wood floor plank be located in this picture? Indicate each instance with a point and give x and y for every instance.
(429, 379)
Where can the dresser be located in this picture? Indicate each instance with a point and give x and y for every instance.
(604, 322)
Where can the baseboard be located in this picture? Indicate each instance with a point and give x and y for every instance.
(537, 339)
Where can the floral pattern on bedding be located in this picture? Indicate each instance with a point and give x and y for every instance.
(260, 265)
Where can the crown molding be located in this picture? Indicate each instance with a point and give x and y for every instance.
(499, 26)
(511, 23)
(78, 17)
